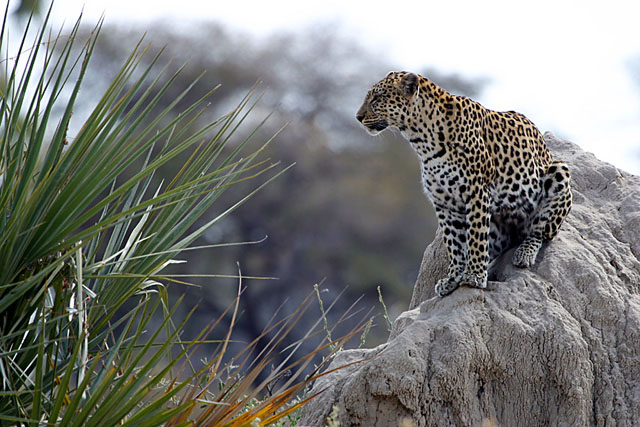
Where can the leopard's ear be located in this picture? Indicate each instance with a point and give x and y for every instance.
(408, 84)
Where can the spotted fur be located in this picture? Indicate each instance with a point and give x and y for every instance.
(489, 175)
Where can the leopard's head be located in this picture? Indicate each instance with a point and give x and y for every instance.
(388, 102)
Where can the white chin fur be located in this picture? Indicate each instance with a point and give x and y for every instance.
(372, 132)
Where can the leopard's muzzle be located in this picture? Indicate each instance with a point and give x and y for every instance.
(375, 126)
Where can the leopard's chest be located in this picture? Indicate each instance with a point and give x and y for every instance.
(446, 185)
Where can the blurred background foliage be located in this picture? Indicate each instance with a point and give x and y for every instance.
(350, 214)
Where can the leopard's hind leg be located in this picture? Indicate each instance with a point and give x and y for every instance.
(553, 207)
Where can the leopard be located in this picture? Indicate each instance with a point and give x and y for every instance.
(489, 175)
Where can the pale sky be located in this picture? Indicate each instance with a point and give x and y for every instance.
(564, 64)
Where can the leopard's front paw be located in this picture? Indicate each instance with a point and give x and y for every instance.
(474, 280)
(446, 286)
(524, 257)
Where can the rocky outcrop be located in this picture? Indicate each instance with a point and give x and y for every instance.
(557, 344)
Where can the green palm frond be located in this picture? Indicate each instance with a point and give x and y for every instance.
(85, 228)
(87, 231)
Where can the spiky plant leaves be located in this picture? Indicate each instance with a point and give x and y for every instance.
(85, 229)
(80, 239)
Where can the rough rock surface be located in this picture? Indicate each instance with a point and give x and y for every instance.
(554, 345)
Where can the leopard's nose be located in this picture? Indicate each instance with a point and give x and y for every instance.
(360, 116)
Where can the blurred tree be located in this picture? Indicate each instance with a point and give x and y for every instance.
(455, 83)
(634, 70)
(25, 8)
(351, 210)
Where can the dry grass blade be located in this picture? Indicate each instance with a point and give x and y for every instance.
(243, 401)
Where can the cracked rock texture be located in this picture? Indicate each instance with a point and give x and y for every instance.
(554, 345)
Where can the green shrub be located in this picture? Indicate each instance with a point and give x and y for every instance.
(85, 233)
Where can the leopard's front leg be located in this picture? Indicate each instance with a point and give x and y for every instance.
(466, 239)
(454, 229)
(479, 216)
